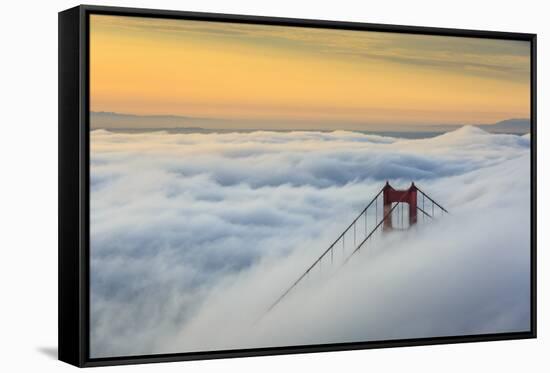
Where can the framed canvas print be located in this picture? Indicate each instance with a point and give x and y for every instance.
(240, 186)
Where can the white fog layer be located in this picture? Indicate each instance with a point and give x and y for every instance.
(193, 236)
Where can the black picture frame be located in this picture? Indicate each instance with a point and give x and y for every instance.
(74, 235)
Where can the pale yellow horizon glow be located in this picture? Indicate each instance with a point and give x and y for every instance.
(256, 73)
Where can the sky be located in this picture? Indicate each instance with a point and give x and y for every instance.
(193, 237)
(256, 76)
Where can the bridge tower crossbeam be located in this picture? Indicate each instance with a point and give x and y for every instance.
(391, 195)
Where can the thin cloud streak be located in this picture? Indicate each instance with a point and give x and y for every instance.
(499, 59)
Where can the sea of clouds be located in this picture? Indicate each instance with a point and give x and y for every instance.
(193, 236)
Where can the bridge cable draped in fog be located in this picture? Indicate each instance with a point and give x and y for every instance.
(391, 200)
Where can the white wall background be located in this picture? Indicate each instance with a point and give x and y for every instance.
(28, 191)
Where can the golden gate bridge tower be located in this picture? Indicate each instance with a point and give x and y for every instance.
(392, 196)
(370, 220)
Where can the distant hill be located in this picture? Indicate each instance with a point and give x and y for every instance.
(109, 120)
(520, 126)
(177, 123)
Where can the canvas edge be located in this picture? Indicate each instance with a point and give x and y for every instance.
(533, 42)
(70, 327)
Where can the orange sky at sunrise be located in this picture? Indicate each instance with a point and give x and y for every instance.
(268, 76)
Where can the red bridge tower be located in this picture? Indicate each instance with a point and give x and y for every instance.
(391, 195)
